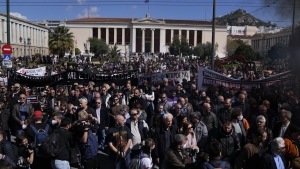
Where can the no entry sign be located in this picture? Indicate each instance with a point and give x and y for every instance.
(6, 49)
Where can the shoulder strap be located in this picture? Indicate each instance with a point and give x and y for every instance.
(47, 128)
(207, 164)
(223, 164)
(33, 129)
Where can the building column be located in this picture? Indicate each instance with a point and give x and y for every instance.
(143, 40)
(123, 36)
(152, 40)
(162, 40)
(107, 36)
(99, 33)
(179, 33)
(195, 38)
(172, 35)
(133, 39)
(115, 35)
(188, 36)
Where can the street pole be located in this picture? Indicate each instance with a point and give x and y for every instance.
(8, 22)
(293, 23)
(213, 35)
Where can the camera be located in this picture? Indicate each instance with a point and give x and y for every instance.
(193, 152)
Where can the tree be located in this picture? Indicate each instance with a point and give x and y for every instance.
(114, 51)
(77, 51)
(204, 50)
(246, 51)
(180, 46)
(98, 46)
(278, 51)
(231, 46)
(60, 40)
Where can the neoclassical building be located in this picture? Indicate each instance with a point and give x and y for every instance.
(24, 30)
(144, 34)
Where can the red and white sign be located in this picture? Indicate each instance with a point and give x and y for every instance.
(6, 49)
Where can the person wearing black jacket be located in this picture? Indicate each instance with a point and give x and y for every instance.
(103, 122)
(4, 117)
(61, 161)
(7, 152)
(229, 140)
(139, 130)
(215, 157)
(137, 99)
(164, 137)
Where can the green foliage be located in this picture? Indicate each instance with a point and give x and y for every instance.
(72, 64)
(180, 46)
(204, 50)
(38, 54)
(77, 51)
(114, 51)
(278, 51)
(60, 40)
(98, 46)
(246, 51)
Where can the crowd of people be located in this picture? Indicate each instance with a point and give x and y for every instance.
(163, 125)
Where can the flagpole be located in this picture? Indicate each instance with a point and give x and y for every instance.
(148, 6)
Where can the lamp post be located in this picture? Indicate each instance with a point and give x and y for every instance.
(23, 41)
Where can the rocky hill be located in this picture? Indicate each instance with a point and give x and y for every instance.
(240, 18)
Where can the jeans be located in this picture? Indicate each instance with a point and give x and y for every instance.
(123, 163)
(60, 164)
(101, 138)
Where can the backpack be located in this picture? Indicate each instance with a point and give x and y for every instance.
(40, 136)
(222, 165)
(50, 146)
(135, 163)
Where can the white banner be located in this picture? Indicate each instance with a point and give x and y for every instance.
(33, 72)
(171, 76)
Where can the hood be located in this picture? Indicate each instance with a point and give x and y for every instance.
(224, 133)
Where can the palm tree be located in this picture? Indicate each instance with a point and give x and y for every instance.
(114, 51)
(61, 40)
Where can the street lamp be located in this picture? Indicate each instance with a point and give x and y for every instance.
(23, 41)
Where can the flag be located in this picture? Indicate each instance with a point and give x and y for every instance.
(146, 1)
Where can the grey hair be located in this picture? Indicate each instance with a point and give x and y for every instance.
(167, 115)
(220, 97)
(277, 142)
(83, 100)
(179, 138)
(261, 117)
(288, 114)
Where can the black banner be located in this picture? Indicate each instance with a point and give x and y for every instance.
(69, 77)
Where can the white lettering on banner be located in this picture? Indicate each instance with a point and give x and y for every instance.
(158, 77)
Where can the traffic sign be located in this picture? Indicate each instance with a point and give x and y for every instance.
(6, 57)
(7, 63)
(6, 49)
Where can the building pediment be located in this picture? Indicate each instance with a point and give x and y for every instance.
(147, 20)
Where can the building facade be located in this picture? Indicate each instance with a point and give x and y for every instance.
(21, 31)
(51, 24)
(144, 34)
(242, 30)
(262, 42)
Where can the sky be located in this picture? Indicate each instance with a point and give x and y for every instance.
(39, 10)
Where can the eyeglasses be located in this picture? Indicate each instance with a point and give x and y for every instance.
(98, 103)
(178, 107)
(22, 97)
(134, 114)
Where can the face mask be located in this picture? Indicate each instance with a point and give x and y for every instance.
(184, 146)
(54, 122)
(24, 126)
(240, 118)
